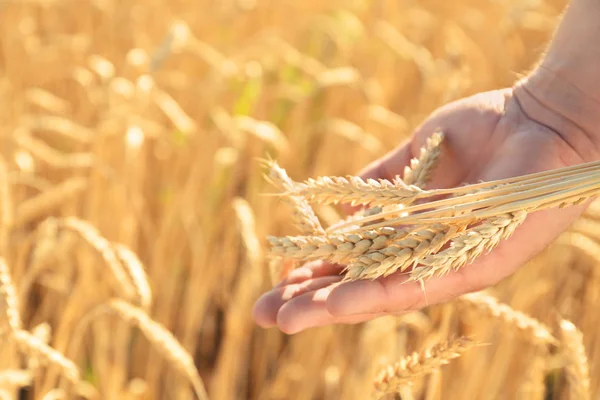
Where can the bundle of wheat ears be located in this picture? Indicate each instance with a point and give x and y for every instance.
(406, 228)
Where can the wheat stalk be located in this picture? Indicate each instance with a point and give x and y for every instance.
(578, 375)
(535, 331)
(416, 365)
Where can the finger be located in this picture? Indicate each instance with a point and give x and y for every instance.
(314, 269)
(268, 305)
(395, 294)
(309, 310)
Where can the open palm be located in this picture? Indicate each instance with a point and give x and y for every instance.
(487, 137)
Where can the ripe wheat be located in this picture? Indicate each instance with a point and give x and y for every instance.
(417, 365)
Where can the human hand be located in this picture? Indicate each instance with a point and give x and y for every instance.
(489, 136)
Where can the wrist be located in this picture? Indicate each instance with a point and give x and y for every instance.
(563, 91)
(550, 98)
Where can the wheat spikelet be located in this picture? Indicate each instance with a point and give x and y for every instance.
(578, 375)
(417, 365)
(8, 296)
(135, 269)
(303, 216)
(91, 236)
(34, 347)
(532, 329)
(420, 168)
(161, 339)
(10, 378)
(469, 245)
(46, 202)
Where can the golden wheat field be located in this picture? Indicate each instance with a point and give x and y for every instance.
(134, 217)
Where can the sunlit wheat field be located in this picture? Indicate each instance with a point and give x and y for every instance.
(134, 208)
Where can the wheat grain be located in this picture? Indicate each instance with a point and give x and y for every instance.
(573, 350)
(416, 365)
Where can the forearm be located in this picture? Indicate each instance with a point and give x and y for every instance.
(564, 89)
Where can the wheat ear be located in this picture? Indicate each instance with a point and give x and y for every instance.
(420, 364)
(34, 347)
(469, 245)
(335, 247)
(90, 235)
(8, 296)
(303, 216)
(416, 174)
(578, 375)
(356, 191)
(401, 254)
(420, 168)
(135, 269)
(47, 201)
(162, 340)
(533, 330)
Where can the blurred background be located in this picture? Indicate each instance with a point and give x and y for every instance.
(134, 127)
